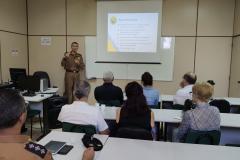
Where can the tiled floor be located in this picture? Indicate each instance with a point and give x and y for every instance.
(36, 129)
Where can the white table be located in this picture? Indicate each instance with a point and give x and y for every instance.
(230, 123)
(37, 102)
(51, 91)
(231, 100)
(37, 98)
(175, 116)
(74, 139)
(129, 149)
(160, 115)
(42, 96)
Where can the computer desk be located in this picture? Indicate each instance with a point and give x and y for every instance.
(38, 98)
(37, 102)
(50, 91)
(6, 85)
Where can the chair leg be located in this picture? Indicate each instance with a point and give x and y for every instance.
(40, 120)
(31, 127)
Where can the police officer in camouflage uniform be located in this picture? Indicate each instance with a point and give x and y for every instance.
(75, 70)
(13, 145)
(12, 116)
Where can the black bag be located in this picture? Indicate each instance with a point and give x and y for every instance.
(89, 141)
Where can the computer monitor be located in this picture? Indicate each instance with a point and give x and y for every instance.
(29, 83)
(16, 73)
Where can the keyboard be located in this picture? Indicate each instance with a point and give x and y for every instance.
(27, 94)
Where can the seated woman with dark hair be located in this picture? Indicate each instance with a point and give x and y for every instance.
(135, 112)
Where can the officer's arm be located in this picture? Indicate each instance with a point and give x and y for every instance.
(80, 62)
(88, 154)
(82, 65)
(38, 150)
(48, 156)
(64, 59)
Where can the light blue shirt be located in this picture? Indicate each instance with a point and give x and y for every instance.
(152, 95)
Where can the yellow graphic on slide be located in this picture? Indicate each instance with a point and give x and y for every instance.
(110, 47)
(113, 20)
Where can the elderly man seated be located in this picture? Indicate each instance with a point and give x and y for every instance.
(80, 112)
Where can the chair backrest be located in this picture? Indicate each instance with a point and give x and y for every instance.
(167, 104)
(203, 137)
(52, 109)
(56, 100)
(188, 105)
(238, 111)
(110, 103)
(79, 128)
(42, 75)
(222, 104)
(233, 145)
(178, 107)
(134, 133)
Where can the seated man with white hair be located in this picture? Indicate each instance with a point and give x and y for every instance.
(108, 91)
(185, 92)
(80, 112)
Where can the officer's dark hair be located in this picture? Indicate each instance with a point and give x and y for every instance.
(82, 89)
(147, 79)
(74, 43)
(190, 77)
(12, 105)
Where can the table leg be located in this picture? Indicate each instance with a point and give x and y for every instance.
(45, 117)
(165, 132)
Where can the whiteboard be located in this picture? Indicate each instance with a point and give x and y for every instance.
(163, 71)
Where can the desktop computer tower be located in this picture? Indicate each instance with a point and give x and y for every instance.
(43, 85)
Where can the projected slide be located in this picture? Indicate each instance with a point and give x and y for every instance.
(132, 32)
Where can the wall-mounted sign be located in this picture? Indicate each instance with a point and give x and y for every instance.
(46, 41)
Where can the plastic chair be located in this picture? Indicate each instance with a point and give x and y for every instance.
(178, 107)
(53, 108)
(188, 105)
(31, 113)
(154, 106)
(233, 145)
(203, 137)
(42, 75)
(134, 133)
(78, 128)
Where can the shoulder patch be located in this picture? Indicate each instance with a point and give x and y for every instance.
(37, 149)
